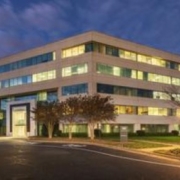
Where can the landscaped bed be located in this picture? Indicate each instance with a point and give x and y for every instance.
(142, 145)
(171, 152)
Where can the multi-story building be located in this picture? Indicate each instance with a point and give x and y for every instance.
(134, 75)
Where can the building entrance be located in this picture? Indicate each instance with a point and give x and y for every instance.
(19, 121)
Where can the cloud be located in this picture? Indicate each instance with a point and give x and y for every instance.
(154, 23)
(35, 25)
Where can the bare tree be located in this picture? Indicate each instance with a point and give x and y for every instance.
(174, 94)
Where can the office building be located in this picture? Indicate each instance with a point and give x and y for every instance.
(134, 75)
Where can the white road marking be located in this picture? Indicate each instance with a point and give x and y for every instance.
(73, 145)
(112, 155)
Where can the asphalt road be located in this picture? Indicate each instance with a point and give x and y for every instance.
(21, 160)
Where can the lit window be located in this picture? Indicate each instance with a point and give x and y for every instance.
(42, 96)
(75, 69)
(44, 76)
(127, 55)
(74, 51)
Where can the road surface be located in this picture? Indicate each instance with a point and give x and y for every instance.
(23, 160)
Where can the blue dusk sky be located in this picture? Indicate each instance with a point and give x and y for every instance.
(26, 24)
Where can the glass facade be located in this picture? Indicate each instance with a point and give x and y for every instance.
(43, 76)
(127, 91)
(39, 96)
(118, 52)
(74, 70)
(115, 71)
(151, 111)
(155, 128)
(115, 128)
(43, 58)
(76, 128)
(126, 109)
(73, 51)
(127, 55)
(75, 89)
(134, 74)
(154, 111)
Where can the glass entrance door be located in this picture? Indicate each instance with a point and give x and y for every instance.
(19, 121)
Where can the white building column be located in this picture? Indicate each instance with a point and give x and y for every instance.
(60, 126)
(89, 131)
(173, 127)
(137, 126)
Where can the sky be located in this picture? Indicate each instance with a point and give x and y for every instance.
(25, 24)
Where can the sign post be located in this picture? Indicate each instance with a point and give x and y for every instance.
(123, 133)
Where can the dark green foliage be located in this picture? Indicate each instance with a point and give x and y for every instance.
(79, 134)
(175, 132)
(44, 131)
(74, 135)
(97, 133)
(56, 130)
(140, 132)
(111, 135)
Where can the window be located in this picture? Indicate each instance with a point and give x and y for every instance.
(89, 47)
(176, 81)
(75, 69)
(142, 110)
(154, 128)
(125, 109)
(27, 62)
(160, 95)
(44, 76)
(116, 71)
(153, 111)
(127, 55)
(73, 51)
(112, 51)
(42, 96)
(144, 59)
(159, 78)
(74, 89)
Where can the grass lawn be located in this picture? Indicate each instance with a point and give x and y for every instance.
(165, 139)
(162, 139)
(140, 142)
(142, 145)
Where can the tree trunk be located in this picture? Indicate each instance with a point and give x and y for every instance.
(50, 130)
(91, 126)
(70, 131)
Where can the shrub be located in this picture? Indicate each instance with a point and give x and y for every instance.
(111, 135)
(56, 130)
(44, 131)
(97, 132)
(158, 134)
(132, 134)
(79, 134)
(175, 132)
(140, 132)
